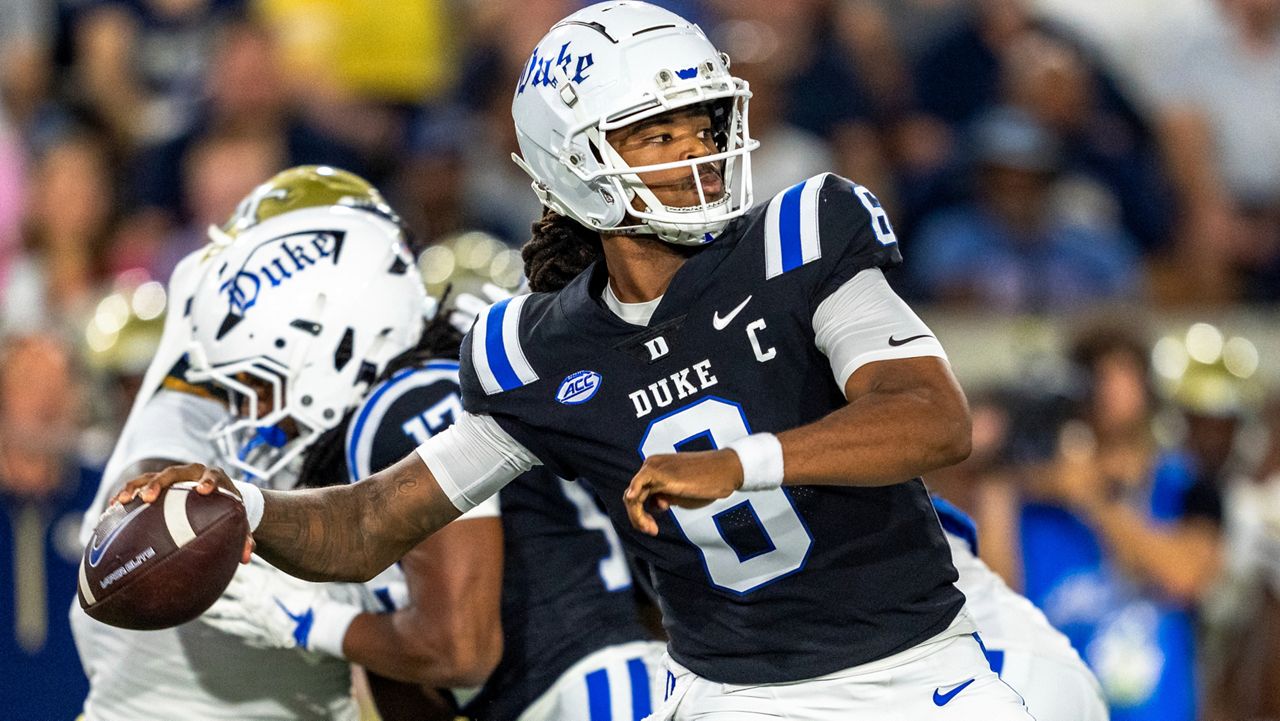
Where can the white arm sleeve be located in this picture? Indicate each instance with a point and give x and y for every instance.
(473, 459)
(865, 321)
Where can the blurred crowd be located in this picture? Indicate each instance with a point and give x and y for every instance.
(1038, 157)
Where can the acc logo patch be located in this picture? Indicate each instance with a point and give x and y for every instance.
(579, 387)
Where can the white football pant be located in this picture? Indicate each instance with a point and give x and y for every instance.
(616, 683)
(947, 679)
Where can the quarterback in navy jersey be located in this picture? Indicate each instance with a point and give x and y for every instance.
(730, 351)
(750, 400)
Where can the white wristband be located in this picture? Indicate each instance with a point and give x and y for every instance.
(251, 496)
(761, 457)
(330, 626)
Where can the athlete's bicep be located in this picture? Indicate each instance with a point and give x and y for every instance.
(473, 459)
(926, 375)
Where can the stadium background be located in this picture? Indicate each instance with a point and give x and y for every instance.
(1064, 176)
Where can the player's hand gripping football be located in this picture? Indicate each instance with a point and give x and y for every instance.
(687, 480)
(148, 486)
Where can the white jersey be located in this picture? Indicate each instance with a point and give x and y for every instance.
(192, 671)
(173, 343)
(1027, 652)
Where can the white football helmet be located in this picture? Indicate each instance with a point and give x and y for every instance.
(605, 67)
(302, 313)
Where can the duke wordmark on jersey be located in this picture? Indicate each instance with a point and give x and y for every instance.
(660, 394)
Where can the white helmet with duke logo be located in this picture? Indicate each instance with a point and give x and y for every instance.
(608, 66)
(301, 314)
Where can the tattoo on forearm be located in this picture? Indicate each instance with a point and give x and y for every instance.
(351, 532)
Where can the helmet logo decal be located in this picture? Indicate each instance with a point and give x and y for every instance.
(687, 73)
(539, 70)
(286, 260)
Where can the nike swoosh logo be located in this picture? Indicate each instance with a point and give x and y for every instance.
(942, 699)
(721, 323)
(99, 548)
(896, 342)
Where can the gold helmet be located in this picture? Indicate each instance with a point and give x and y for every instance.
(304, 186)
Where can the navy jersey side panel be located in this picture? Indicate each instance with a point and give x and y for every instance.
(566, 585)
(567, 591)
(757, 588)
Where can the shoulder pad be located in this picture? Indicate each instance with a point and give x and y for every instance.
(825, 214)
(400, 414)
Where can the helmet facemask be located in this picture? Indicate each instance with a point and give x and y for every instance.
(697, 224)
(266, 429)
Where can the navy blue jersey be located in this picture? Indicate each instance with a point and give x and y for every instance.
(763, 587)
(566, 587)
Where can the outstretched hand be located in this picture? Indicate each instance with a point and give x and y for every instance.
(148, 486)
(687, 480)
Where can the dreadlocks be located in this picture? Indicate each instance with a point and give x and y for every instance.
(325, 464)
(559, 250)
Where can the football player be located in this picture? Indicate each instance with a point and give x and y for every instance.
(310, 286)
(749, 400)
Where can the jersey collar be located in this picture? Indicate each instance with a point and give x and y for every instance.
(582, 303)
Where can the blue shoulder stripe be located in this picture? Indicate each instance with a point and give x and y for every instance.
(791, 227)
(599, 700)
(496, 354)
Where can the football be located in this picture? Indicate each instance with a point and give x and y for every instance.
(156, 565)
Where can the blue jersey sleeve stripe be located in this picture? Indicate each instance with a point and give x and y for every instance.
(641, 700)
(599, 703)
(495, 351)
(375, 405)
(957, 523)
(511, 341)
(499, 361)
(354, 472)
(789, 228)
